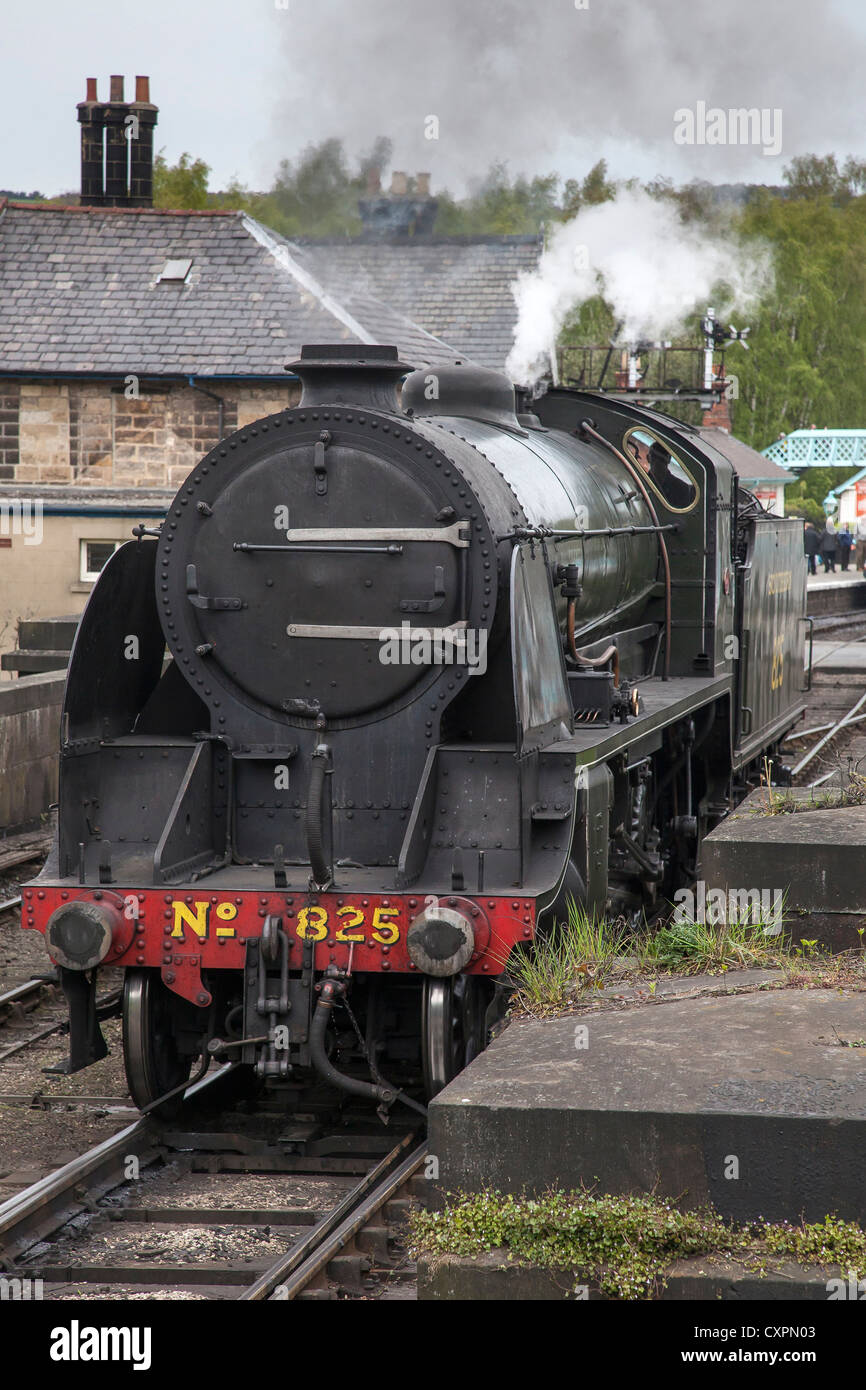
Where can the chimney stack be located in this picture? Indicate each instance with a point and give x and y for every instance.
(117, 138)
(718, 414)
(398, 213)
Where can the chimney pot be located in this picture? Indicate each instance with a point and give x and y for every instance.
(399, 184)
(142, 89)
(422, 185)
(91, 90)
(374, 183)
(116, 87)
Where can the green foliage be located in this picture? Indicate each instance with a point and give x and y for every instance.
(807, 362)
(181, 185)
(622, 1244)
(577, 953)
(816, 176)
(806, 497)
(826, 1242)
(798, 504)
(315, 195)
(499, 205)
(695, 947)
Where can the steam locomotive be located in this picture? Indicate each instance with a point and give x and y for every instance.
(402, 672)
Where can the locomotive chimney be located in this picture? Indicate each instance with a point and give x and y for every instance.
(117, 138)
(356, 374)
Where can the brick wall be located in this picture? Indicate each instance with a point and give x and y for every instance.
(88, 433)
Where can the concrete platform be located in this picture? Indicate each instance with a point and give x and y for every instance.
(836, 595)
(838, 658)
(816, 857)
(672, 1098)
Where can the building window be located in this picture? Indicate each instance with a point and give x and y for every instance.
(95, 555)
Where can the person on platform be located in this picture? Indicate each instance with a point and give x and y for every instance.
(811, 546)
(845, 540)
(860, 542)
(829, 545)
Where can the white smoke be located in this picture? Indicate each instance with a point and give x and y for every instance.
(651, 268)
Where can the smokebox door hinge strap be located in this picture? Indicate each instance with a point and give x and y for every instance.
(427, 605)
(199, 601)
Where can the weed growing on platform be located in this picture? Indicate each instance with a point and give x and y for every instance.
(827, 1242)
(621, 1244)
(576, 954)
(852, 792)
(690, 947)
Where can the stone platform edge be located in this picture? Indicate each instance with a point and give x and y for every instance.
(496, 1277)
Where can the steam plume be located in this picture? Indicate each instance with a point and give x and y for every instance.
(651, 268)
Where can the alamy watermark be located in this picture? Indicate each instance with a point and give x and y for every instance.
(718, 907)
(21, 516)
(739, 125)
(434, 646)
(21, 1290)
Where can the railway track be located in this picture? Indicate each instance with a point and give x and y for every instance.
(250, 1207)
(832, 727)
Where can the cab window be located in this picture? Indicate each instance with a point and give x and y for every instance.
(667, 475)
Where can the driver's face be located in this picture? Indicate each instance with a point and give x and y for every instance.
(641, 453)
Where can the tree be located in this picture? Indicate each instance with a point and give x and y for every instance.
(500, 204)
(594, 189)
(819, 176)
(181, 185)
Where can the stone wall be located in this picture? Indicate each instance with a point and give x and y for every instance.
(94, 434)
(29, 748)
(9, 402)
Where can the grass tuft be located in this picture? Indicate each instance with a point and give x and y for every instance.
(580, 953)
(691, 947)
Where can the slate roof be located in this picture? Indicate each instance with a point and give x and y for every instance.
(456, 287)
(80, 292)
(746, 462)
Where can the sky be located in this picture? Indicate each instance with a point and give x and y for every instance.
(455, 84)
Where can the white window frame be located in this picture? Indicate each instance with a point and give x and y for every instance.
(85, 575)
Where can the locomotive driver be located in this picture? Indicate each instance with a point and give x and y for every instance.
(655, 460)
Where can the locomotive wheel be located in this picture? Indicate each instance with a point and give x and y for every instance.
(150, 1055)
(452, 1027)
